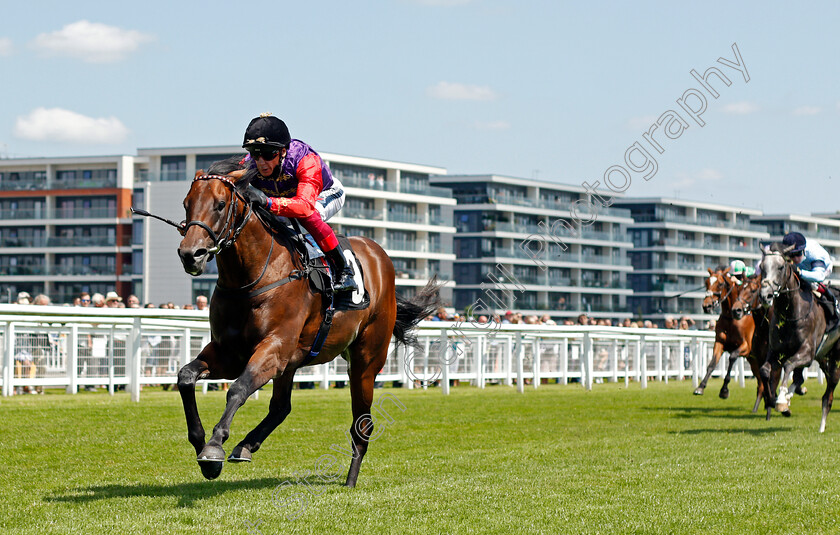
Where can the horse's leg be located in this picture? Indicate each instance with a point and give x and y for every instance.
(769, 376)
(367, 356)
(759, 384)
(798, 379)
(279, 407)
(783, 398)
(716, 353)
(724, 390)
(832, 376)
(260, 369)
(187, 377)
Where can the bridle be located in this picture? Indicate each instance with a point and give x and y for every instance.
(229, 234)
(720, 298)
(784, 288)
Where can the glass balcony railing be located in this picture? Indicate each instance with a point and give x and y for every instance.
(23, 185)
(361, 213)
(87, 241)
(22, 214)
(85, 213)
(407, 217)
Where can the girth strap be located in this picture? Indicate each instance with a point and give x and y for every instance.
(295, 275)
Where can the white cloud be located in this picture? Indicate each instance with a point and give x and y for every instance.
(456, 91)
(684, 180)
(492, 125)
(5, 46)
(91, 42)
(807, 110)
(56, 124)
(740, 108)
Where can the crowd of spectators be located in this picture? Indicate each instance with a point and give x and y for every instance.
(109, 300)
(511, 317)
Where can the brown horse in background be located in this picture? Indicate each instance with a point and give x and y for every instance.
(731, 334)
(264, 319)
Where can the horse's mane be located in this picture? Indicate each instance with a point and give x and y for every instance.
(226, 166)
(280, 230)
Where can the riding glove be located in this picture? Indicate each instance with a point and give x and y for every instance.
(255, 196)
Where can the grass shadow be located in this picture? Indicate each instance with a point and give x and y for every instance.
(187, 493)
(732, 413)
(757, 432)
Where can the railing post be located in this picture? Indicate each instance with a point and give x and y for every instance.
(520, 351)
(111, 361)
(136, 358)
(587, 361)
(325, 376)
(642, 363)
(681, 361)
(564, 362)
(614, 360)
(8, 360)
(73, 360)
(740, 371)
(508, 361)
(444, 360)
(480, 348)
(536, 362)
(659, 370)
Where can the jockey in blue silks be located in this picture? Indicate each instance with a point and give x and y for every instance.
(814, 264)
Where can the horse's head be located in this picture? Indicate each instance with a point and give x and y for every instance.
(213, 206)
(747, 297)
(715, 286)
(774, 271)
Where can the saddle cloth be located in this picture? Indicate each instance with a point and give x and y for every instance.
(320, 278)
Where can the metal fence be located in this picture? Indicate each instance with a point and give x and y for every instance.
(77, 348)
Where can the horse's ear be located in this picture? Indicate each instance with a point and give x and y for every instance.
(764, 248)
(236, 175)
(710, 271)
(788, 249)
(725, 271)
(199, 173)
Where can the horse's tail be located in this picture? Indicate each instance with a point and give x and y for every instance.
(412, 311)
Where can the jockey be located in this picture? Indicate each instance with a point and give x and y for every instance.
(293, 181)
(740, 271)
(814, 265)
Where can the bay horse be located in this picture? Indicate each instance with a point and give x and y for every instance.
(797, 325)
(264, 318)
(733, 335)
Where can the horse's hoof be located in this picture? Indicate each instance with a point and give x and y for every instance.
(801, 390)
(783, 408)
(724, 394)
(786, 413)
(211, 469)
(698, 391)
(240, 455)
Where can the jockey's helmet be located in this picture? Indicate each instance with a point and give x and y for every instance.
(737, 267)
(266, 131)
(797, 240)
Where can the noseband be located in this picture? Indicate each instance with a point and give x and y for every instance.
(228, 235)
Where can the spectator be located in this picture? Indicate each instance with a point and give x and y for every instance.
(568, 322)
(583, 320)
(98, 300)
(531, 320)
(133, 301)
(626, 322)
(201, 302)
(23, 298)
(41, 300)
(508, 317)
(686, 323)
(710, 325)
(648, 324)
(84, 299)
(188, 306)
(150, 305)
(670, 323)
(440, 315)
(482, 320)
(112, 300)
(517, 318)
(546, 320)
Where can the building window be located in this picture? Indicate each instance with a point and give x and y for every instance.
(173, 168)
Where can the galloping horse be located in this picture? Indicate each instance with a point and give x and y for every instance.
(733, 335)
(797, 324)
(748, 304)
(264, 319)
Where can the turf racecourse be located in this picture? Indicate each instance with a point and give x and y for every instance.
(554, 460)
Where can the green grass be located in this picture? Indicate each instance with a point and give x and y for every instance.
(554, 460)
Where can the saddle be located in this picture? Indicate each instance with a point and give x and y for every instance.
(317, 269)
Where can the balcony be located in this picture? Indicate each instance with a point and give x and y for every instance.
(361, 213)
(86, 183)
(23, 185)
(406, 217)
(86, 241)
(425, 189)
(85, 213)
(22, 214)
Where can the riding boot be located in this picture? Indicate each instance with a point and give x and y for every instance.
(343, 274)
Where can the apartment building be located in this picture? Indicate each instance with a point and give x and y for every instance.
(825, 228)
(518, 248)
(65, 225)
(675, 241)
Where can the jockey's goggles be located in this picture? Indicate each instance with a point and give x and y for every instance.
(265, 154)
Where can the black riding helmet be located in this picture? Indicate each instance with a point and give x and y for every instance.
(266, 131)
(797, 240)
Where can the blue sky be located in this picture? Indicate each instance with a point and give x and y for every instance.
(537, 89)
